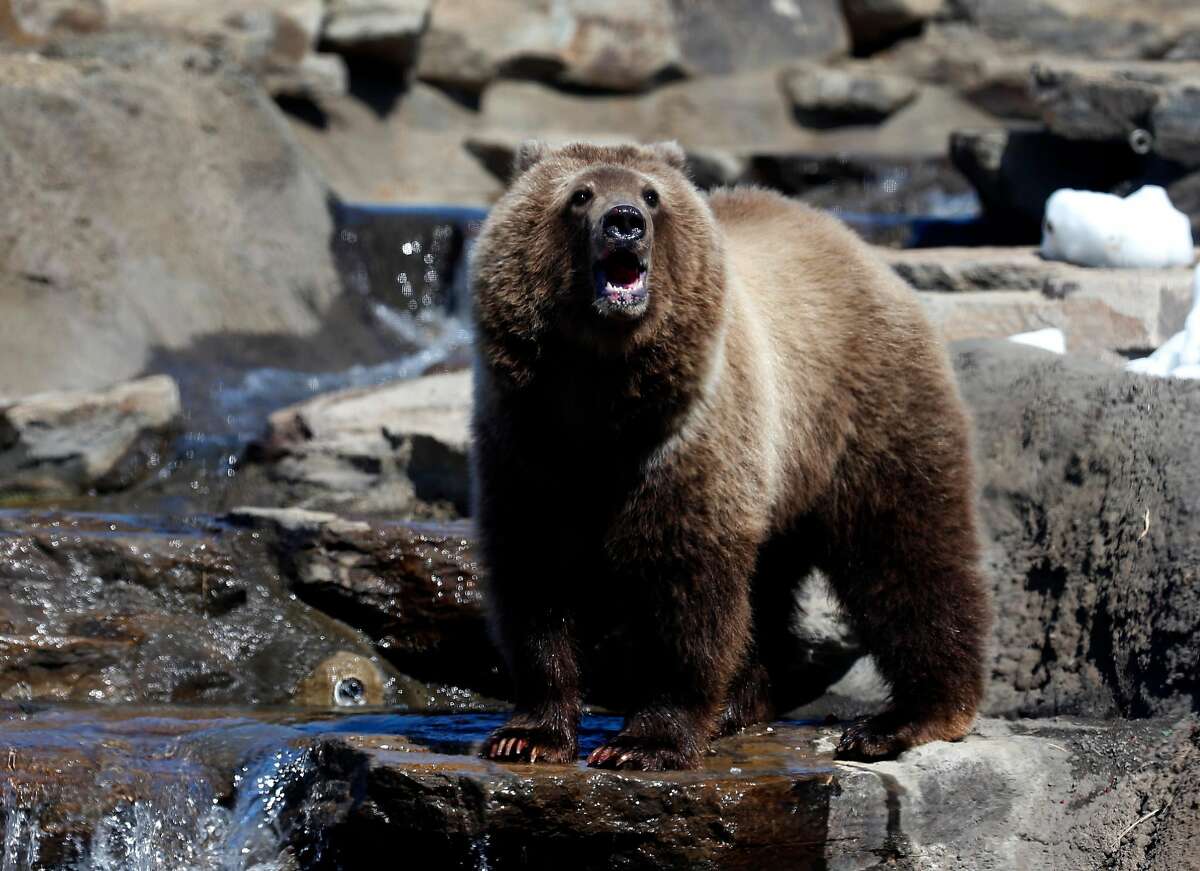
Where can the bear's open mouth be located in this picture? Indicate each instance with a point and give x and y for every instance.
(621, 278)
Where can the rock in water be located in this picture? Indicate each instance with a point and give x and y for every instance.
(376, 448)
(1180, 354)
(71, 442)
(1142, 230)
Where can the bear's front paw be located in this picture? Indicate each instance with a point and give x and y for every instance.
(528, 744)
(643, 753)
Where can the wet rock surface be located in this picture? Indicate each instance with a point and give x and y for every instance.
(324, 792)
(107, 609)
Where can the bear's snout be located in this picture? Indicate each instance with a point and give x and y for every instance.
(624, 223)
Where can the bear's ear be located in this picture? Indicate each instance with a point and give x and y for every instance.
(670, 153)
(528, 153)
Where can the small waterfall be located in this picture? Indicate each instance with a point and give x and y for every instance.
(174, 826)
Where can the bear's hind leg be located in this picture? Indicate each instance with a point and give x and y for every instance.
(908, 580)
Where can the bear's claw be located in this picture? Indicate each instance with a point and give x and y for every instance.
(527, 744)
(627, 752)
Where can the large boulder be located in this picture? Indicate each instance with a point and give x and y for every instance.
(1090, 496)
(156, 196)
(618, 46)
(56, 444)
(1013, 795)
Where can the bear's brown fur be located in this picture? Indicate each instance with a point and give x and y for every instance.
(776, 402)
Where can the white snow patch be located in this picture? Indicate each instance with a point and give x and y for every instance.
(1179, 355)
(1049, 339)
(1143, 230)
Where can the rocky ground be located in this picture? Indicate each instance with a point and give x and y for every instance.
(234, 390)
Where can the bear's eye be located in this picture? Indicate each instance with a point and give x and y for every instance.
(581, 197)
(650, 195)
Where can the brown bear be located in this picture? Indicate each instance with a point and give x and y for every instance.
(683, 404)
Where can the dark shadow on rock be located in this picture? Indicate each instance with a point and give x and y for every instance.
(304, 109)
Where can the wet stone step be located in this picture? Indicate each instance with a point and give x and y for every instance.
(227, 788)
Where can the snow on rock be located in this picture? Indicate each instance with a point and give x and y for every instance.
(1049, 339)
(1179, 355)
(1143, 230)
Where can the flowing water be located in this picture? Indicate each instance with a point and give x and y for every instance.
(190, 789)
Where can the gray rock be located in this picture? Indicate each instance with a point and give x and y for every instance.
(377, 449)
(1185, 195)
(1089, 482)
(724, 38)
(71, 442)
(824, 96)
(996, 292)
(1107, 102)
(619, 46)
(1102, 29)
(157, 196)
(385, 30)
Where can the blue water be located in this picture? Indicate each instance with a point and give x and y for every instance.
(449, 733)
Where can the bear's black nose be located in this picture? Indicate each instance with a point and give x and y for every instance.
(624, 223)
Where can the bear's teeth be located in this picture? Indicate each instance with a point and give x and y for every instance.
(636, 285)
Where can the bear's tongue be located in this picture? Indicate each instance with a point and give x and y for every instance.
(622, 268)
